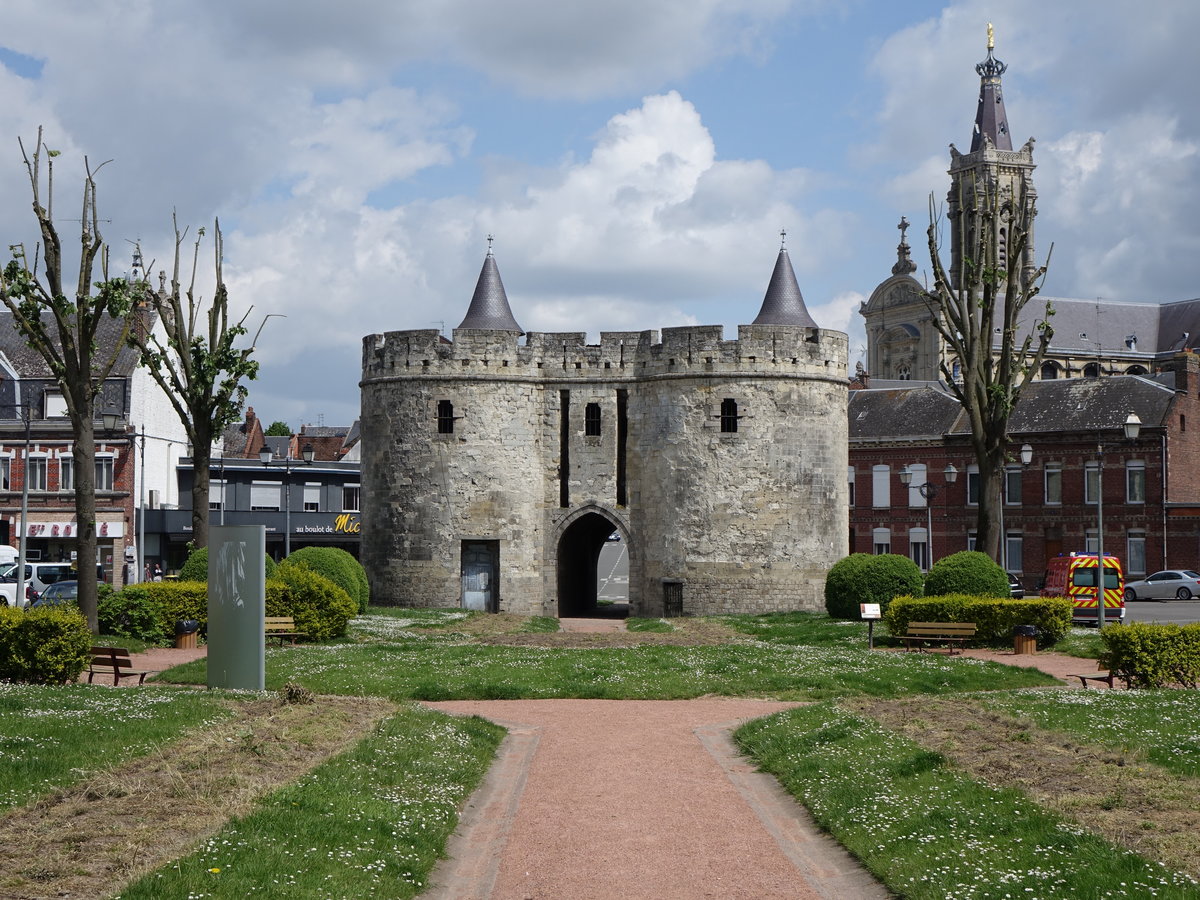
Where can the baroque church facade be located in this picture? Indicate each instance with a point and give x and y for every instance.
(497, 467)
(1091, 337)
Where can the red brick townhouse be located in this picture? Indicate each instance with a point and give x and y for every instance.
(1073, 434)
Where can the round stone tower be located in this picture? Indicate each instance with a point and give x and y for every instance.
(493, 471)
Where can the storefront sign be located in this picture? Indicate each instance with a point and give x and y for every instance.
(346, 524)
(71, 530)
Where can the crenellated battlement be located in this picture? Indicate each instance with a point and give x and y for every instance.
(815, 352)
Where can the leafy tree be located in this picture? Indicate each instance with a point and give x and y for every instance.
(64, 331)
(197, 364)
(983, 301)
(279, 429)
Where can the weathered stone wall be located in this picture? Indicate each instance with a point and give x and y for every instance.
(749, 521)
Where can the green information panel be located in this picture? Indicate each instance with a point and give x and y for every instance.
(237, 605)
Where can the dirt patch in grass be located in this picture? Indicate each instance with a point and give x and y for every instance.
(687, 633)
(1117, 794)
(92, 839)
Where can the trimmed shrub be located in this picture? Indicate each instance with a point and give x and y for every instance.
(148, 611)
(196, 566)
(47, 645)
(863, 578)
(339, 567)
(1150, 656)
(843, 586)
(994, 617)
(321, 608)
(967, 572)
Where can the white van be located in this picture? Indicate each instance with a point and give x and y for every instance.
(8, 555)
(40, 574)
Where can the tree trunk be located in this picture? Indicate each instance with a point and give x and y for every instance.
(987, 535)
(201, 462)
(85, 511)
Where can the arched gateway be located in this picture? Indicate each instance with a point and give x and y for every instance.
(583, 536)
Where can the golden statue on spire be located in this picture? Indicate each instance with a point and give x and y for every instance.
(991, 37)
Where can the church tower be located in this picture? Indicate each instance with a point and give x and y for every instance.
(991, 172)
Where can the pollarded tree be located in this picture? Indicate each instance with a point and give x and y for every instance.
(197, 363)
(978, 313)
(63, 330)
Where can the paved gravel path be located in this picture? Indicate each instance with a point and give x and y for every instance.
(635, 799)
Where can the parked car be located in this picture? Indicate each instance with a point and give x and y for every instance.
(1170, 584)
(8, 593)
(58, 593)
(1015, 589)
(41, 574)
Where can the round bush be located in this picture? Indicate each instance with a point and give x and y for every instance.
(320, 608)
(863, 578)
(196, 567)
(844, 585)
(339, 567)
(968, 572)
(47, 645)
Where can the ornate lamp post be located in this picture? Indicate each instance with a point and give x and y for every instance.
(929, 491)
(1132, 426)
(265, 456)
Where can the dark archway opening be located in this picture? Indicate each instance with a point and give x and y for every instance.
(579, 556)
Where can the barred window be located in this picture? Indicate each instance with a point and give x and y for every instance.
(445, 417)
(729, 416)
(591, 420)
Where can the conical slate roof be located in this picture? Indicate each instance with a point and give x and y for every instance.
(991, 122)
(489, 309)
(784, 304)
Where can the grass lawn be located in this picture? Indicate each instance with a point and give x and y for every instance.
(373, 820)
(927, 829)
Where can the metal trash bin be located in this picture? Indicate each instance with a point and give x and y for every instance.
(1025, 639)
(185, 634)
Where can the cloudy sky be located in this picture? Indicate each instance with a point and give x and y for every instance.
(635, 159)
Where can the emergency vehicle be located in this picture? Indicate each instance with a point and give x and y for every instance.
(1074, 576)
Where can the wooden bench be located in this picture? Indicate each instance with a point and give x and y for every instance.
(282, 627)
(113, 661)
(947, 634)
(1102, 674)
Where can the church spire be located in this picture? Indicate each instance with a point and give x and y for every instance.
(489, 309)
(783, 303)
(991, 123)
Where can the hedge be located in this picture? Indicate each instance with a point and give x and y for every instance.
(339, 567)
(196, 566)
(994, 617)
(864, 578)
(150, 610)
(967, 572)
(1150, 656)
(46, 645)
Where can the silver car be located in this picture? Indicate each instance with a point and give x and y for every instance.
(1170, 584)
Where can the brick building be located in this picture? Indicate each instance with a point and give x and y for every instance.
(1151, 485)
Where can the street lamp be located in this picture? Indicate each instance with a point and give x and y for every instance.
(929, 490)
(1132, 426)
(265, 456)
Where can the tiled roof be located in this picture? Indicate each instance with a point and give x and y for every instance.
(910, 413)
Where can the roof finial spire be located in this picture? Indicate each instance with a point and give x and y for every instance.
(783, 239)
(490, 238)
(904, 264)
(991, 37)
